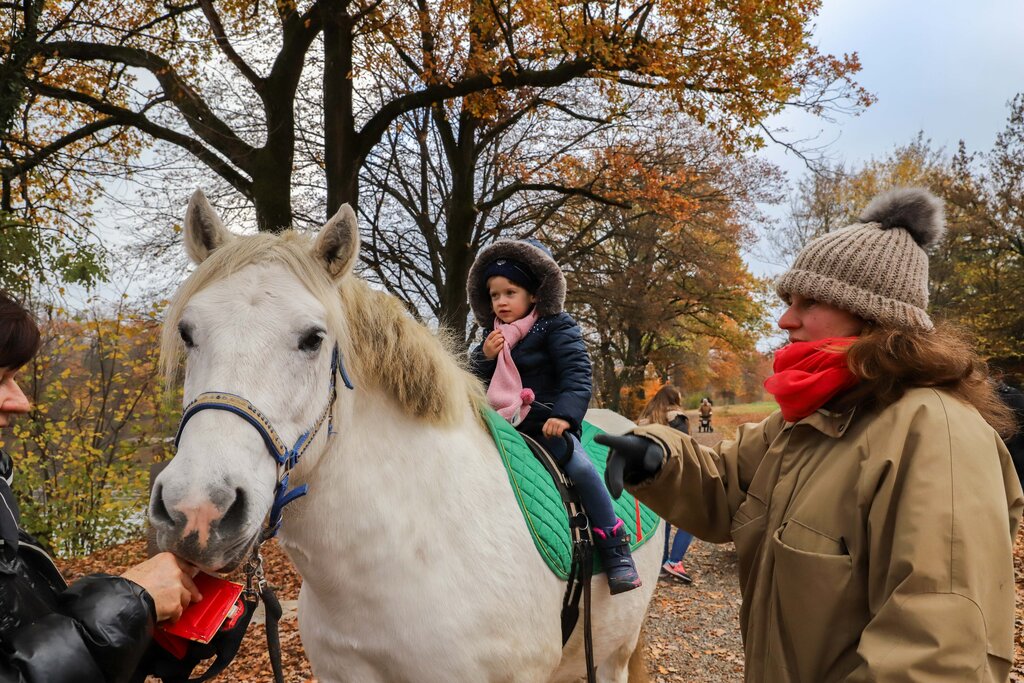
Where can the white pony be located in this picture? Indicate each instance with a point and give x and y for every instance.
(416, 562)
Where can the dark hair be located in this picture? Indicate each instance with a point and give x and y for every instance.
(656, 410)
(19, 334)
(891, 361)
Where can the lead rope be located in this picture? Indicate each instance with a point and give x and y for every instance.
(257, 589)
(581, 567)
(582, 573)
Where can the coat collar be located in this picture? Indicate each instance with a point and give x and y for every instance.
(828, 422)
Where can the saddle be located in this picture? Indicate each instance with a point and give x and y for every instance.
(542, 503)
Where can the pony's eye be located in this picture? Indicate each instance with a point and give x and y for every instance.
(186, 335)
(311, 340)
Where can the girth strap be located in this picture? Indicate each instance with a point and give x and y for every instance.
(582, 568)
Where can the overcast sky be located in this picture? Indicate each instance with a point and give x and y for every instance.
(944, 67)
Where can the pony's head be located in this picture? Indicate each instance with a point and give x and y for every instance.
(260, 318)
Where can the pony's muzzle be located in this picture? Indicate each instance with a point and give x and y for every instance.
(194, 522)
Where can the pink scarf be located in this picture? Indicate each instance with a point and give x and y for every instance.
(506, 393)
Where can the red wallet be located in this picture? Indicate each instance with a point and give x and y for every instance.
(201, 620)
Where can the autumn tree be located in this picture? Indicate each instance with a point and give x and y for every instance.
(436, 199)
(834, 195)
(98, 416)
(38, 242)
(493, 162)
(665, 273)
(254, 90)
(978, 275)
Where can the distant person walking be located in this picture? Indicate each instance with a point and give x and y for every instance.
(874, 514)
(664, 409)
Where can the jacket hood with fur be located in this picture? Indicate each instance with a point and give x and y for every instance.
(550, 293)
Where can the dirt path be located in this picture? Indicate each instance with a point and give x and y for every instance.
(693, 632)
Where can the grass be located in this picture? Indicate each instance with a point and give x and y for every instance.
(765, 407)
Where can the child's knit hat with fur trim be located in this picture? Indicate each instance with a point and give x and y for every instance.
(877, 268)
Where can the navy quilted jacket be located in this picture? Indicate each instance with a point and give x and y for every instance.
(553, 361)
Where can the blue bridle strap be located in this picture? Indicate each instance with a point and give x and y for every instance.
(286, 458)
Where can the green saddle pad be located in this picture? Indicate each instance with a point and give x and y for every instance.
(538, 496)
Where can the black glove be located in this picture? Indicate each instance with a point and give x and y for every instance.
(631, 459)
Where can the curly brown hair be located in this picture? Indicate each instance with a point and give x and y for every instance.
(891, 361)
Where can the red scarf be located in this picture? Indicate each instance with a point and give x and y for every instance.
(808, 374)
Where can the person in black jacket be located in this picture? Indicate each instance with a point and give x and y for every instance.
(96, 630)
(1014, 398)
(538, 374)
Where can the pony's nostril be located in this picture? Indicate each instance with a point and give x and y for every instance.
(158, 510)
(234, 518)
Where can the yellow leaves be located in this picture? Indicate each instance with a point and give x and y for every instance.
(101, 413)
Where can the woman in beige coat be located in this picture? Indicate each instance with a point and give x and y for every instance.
(874, 514)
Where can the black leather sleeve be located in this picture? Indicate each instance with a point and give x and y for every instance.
(99, 632)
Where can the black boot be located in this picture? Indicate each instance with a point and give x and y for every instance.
(612, 544)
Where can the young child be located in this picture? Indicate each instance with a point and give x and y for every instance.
(537, 372)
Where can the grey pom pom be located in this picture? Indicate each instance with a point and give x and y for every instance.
(914, 209)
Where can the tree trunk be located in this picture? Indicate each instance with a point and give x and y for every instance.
(462, 213)
(461, 221)
(272, 191)
(343, 154)
(609, 385)
(634, 363)
(20, 45)
(271, 169)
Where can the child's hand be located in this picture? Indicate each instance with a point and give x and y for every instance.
(554, 427)
(493, 344)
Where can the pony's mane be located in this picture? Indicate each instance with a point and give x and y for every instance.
(381, 342)
(412, 364)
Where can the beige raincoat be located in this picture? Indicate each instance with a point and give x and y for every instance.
(874, 545)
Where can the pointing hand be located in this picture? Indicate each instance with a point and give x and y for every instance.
(631, 459)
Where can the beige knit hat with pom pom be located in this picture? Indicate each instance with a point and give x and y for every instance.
(877, 268)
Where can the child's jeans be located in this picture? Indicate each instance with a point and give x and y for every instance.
(595, 497)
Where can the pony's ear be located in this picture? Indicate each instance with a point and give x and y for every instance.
(337, 245)
(204, 230)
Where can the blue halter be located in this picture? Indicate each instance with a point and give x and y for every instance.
(286, 458)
